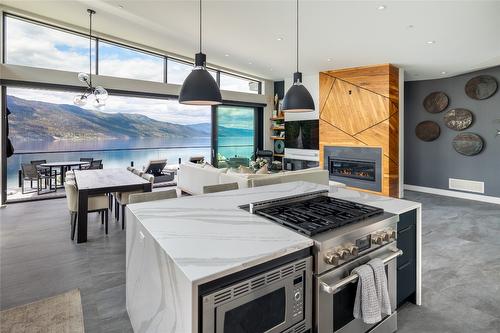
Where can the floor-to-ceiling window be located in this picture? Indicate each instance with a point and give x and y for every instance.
(234, 142)
(45, 125)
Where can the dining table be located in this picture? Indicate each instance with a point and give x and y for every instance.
(103, 181)
(63, 165)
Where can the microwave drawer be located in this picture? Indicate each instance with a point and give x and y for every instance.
(271, 302)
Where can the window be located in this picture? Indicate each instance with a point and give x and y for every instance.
(36, 45)
(45, 125)
(177, 71)
(235, 141)
(237, 83)
(124, 62)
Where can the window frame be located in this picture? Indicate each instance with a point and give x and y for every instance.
(116, 43)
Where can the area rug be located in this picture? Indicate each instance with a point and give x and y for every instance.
(61, 313)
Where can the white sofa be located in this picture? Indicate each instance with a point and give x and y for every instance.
(192, 177)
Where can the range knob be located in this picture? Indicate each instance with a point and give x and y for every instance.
(353, 249)
(377, 239)
(343, 253)
(332, 259)
(392, 233)
(385, 236)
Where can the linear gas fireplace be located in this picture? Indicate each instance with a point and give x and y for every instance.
(355, 166)
(356, 169)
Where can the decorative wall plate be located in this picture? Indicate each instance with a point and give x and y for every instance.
(458, 119)
(468, 144)
(481, 87)
(279, 146)
(436, 102)
(427, 130)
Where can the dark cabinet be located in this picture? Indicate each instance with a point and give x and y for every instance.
(407, 263)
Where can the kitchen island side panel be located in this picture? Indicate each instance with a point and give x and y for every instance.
(159, 296)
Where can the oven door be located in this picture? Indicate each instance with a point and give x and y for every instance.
(336, 292)
(269, 303)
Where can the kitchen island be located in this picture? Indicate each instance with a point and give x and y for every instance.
(176, 245)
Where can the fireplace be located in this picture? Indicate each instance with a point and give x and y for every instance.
(359, 167)
(356, 169)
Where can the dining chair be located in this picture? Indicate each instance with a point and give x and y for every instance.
(31, 173)
(219, 188)
(266, 181)
(123, 198)
(152, 196)
(97, 203)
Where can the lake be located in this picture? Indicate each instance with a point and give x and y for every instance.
(121, 153)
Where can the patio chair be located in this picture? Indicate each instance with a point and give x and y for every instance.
(86, 159)
(265, 154)
(31, 173)
(95, 164)
(156, 168)
(235, 162)
(97, 203)
(40, 168)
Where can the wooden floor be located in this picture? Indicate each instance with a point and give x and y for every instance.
(461, 261)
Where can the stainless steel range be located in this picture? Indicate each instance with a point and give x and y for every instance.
(346, 234)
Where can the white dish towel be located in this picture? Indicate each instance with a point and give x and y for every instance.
(378, 268)
(366, 303)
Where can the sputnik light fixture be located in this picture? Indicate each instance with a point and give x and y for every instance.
(298, 98)
(200, 88)
(98, 93)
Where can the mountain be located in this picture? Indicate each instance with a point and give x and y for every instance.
(36, 120)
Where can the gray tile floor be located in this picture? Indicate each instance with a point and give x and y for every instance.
(461, 265)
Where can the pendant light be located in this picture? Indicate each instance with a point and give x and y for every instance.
(200, 88)
(99, 94)
(298, 98)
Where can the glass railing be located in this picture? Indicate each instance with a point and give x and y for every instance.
(118, 158)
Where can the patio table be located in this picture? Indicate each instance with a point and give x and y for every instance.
(63, 165)
(102, 181)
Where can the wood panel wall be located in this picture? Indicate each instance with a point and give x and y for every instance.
(360, 107)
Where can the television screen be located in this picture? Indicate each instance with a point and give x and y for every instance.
(302, 134)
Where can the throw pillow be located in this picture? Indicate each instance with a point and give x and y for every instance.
(244, 169)
(263, 170)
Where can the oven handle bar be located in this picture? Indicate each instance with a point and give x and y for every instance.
(331, 289)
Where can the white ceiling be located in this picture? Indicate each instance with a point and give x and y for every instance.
(242, 34)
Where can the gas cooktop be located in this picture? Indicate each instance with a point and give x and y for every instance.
(315, 214)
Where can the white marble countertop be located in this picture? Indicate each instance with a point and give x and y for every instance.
(208, 236)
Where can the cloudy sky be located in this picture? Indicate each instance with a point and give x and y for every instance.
(39, 46)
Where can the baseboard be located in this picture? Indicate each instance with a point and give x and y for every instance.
(455, 194)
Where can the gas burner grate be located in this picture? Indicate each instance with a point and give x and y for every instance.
(318, 214)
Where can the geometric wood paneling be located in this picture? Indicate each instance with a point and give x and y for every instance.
(347, 104)
(359, 107)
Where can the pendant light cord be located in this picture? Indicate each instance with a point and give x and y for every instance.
(297, 13)
(90, 48)
(200, 26)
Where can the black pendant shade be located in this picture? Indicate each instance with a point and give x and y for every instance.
(298, 98)
(200, 88)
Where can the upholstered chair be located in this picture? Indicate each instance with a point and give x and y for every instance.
(152, 196)
(219, 188)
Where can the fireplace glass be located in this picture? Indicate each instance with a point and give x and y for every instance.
(357, 169)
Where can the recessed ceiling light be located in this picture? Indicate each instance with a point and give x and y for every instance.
(121, 6)
(279, 39)
(381, 7)
(250, 63)
(329, 59)
(431, 42)
(226, 55)
(443, 72)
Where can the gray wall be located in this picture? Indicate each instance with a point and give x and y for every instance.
(430, 164)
